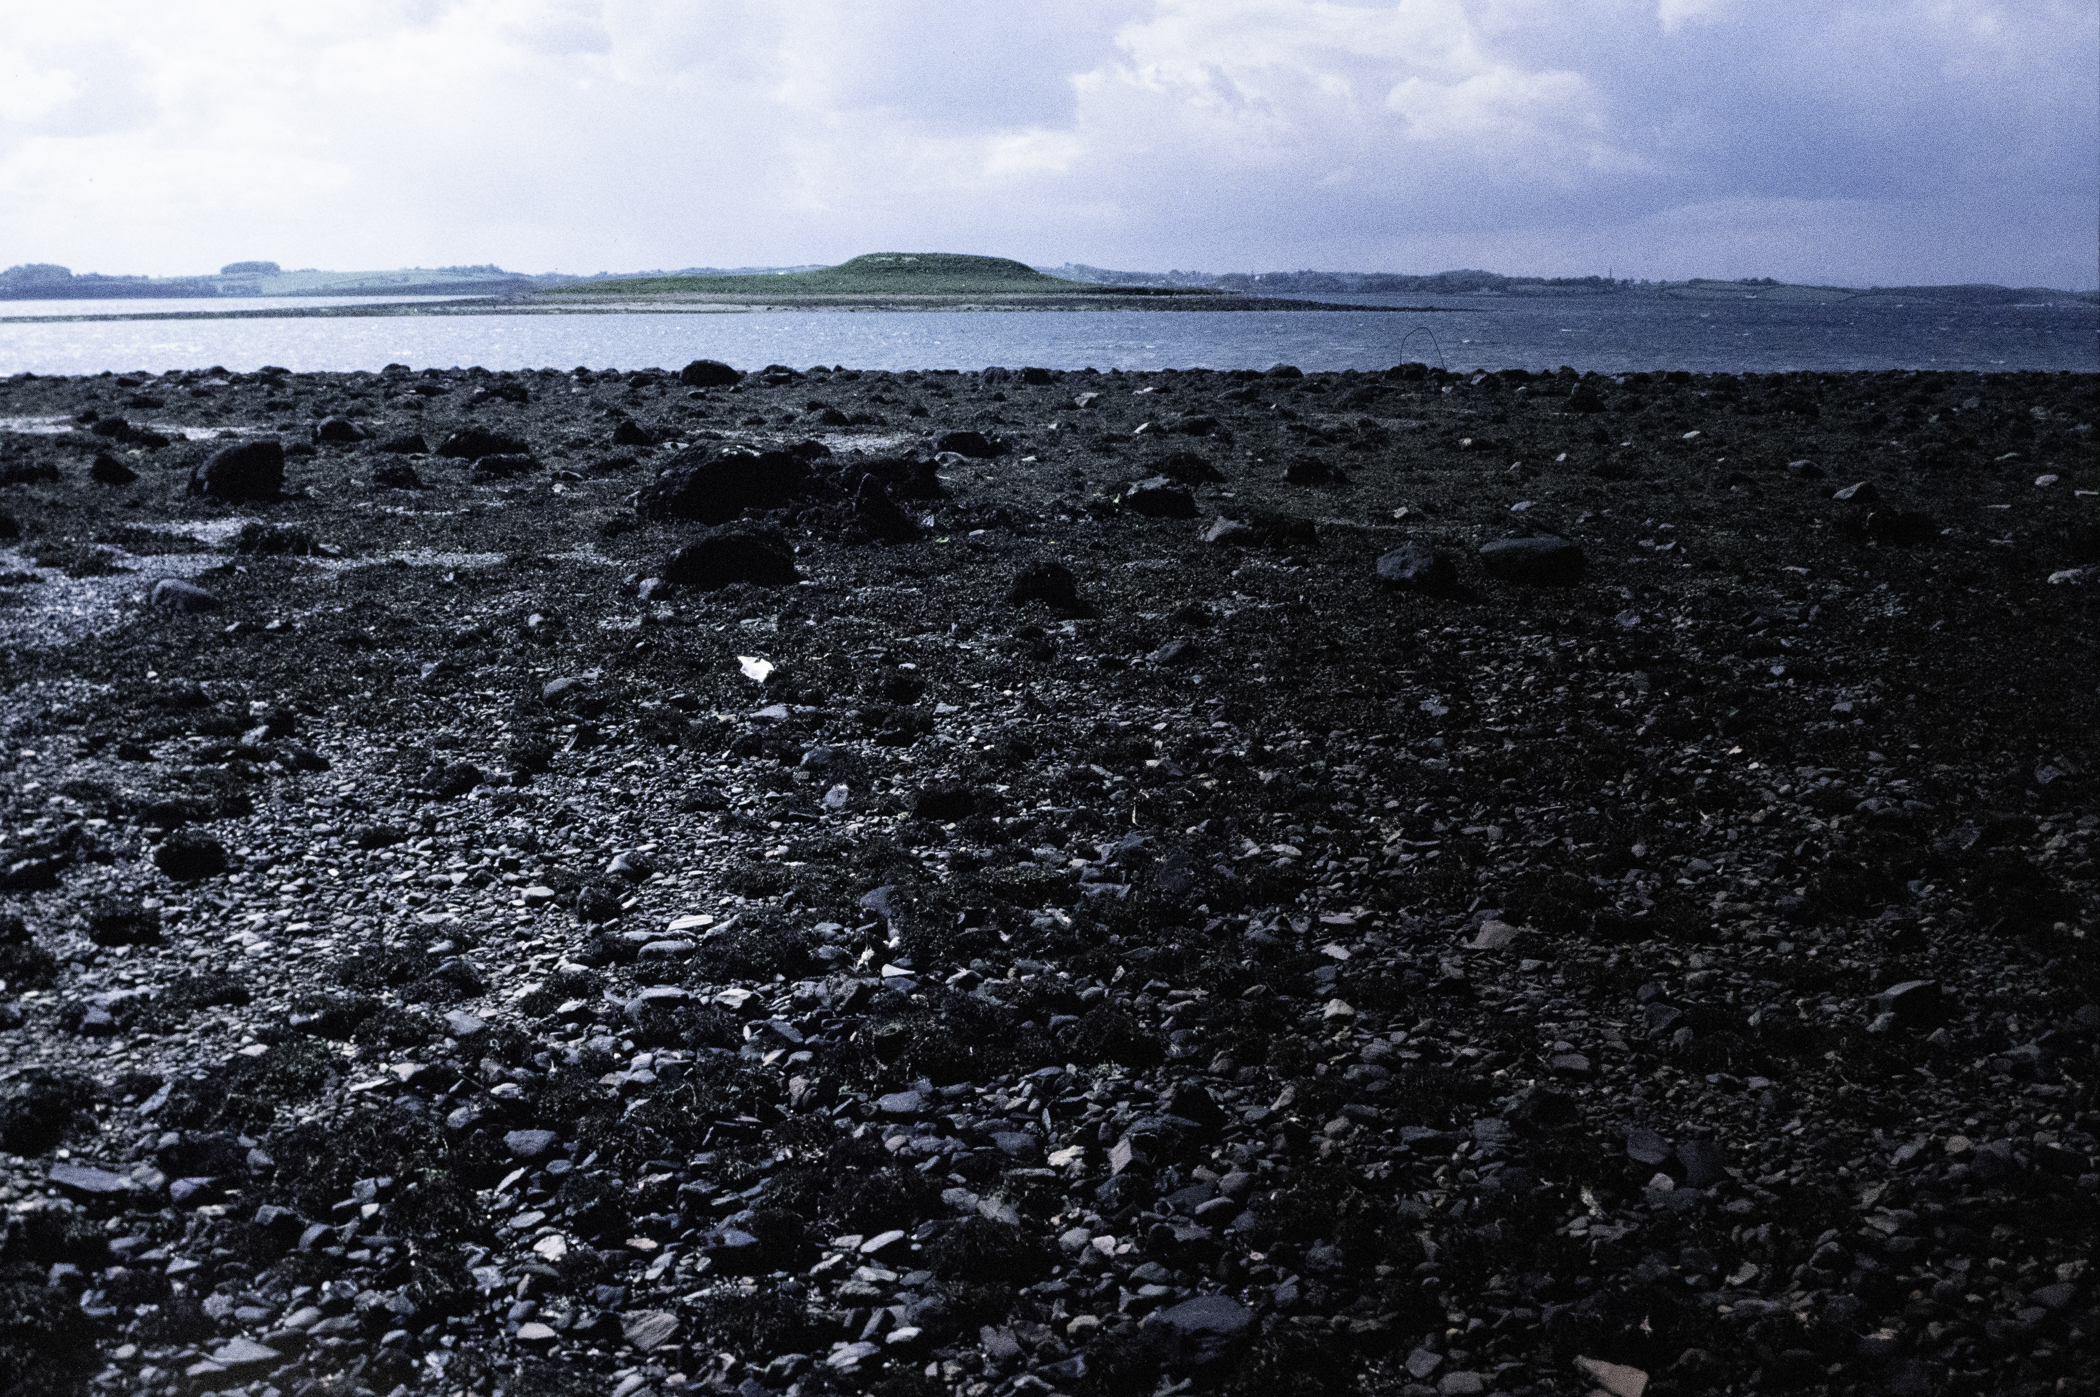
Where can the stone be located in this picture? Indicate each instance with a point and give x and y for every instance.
(975, 445)
(901, 1104)
(1861, 493)
(338, 431)
(530, 1145)
(502, 465)
(596, 903)
(251, 471)
(711, 487)
(1417, 567)
(1615, 1378)
(409, 444)
(1047, 581)
(759, 555)
(396, 475)
(84, 1184)
(708, 373)
(473, 443)
(1160, 498)
(1705, 1162)
(1205, 1329)
(1646, 1148)
(108, 470)
(1539, 560)
(645, 1330)
(236, 1355)
(1915, 1003)
(174, 594)
(188, 855)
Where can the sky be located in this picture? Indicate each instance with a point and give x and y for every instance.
(1856, 142)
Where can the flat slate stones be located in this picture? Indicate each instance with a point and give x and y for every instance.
(1541, 560)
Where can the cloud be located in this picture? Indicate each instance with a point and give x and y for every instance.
(1785, 138)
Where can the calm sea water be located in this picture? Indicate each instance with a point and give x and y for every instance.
(1607, 334)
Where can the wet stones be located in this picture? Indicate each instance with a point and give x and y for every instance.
(251, 471)
(716, 488)
(759, 555)
(1160, 498)
(975, 445)
(188, 855)
(473, 443)
(1540, 560)
(108, 470)
(174, 594)
(1047, 581)
(1417, 567)
(708, 373)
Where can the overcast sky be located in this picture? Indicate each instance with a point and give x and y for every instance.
(1876, 142)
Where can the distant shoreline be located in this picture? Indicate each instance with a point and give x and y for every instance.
(631, 305)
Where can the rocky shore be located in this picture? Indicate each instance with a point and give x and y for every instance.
(812, 881)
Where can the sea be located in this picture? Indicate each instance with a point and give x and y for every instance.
(1607, 334)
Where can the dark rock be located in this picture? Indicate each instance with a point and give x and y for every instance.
(116, 922)
(1187, 468)
(595, 903)
(188, 855)
(716, 488)
(1915, 1003)
(1418, 567)
(174, 594)
(749, 553)
(1261, 529)
(708, 373)
(1705, 1162)
(1160, 498)
(396, 475)
(1540, 560)
(503, 466)
(632, 433)
(975, 445)
(945, 801)
(473, 443)
(84, 1184)
(251, 471)
(1046, 581)
(1205, 1330)
(1314, 470)
(108, 470)
(338, 431)
(530, 1145)
(411, 444)
(1584, 398)
(1861, 493)
(879, 516)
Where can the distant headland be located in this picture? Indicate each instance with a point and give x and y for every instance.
(913, 281)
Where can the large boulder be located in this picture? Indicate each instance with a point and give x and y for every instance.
(715, 488)
(473, 443)
(1540, 560)
(975, 445)
(253, 470)
(174, 594)
(739, 552)
(708, 373)
(1417, 567)
(1160, 498)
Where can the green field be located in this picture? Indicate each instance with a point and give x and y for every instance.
(881, 274)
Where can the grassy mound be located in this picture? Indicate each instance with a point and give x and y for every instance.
(873, 274)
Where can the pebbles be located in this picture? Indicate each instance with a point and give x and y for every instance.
(1040, 950)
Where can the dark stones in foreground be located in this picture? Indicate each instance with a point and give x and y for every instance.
(1418, 567)
(714, 489)
(739, 552)
(251, 471)
(708, 373)
(174, 594)
(1540, 560)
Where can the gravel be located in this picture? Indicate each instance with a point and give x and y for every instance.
(1558, 899)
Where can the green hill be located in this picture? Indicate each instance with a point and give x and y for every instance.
(874, 274)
